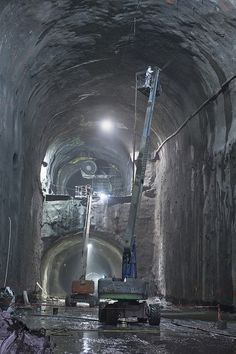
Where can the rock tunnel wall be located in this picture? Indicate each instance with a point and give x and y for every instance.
(21, 196)
(195, 208)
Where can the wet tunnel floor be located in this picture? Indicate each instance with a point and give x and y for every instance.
(74, 331)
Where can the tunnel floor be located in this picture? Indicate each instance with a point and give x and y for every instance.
(77, 330)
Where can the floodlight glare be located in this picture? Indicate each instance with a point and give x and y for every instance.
(90, 246)
(103, 197)
(106, 125)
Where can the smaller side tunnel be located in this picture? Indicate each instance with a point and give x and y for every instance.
(61, 263)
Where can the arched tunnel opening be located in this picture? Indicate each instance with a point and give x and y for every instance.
(77, 161)
(69, 66)
(61, 263)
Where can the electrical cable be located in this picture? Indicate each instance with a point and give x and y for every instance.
(203, 330)
(195, 113)
(132, 31)
(62, 316)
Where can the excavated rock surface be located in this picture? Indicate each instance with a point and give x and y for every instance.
(62, 217)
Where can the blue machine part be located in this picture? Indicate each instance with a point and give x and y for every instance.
(129, 268)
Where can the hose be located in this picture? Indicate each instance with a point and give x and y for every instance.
(62, 317)
(203, 105)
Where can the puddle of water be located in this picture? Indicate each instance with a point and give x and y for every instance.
(72, 335)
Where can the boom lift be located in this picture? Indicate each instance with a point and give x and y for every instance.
(83, 289)
(126, 298)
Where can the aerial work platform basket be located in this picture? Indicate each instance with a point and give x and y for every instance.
(144, 82)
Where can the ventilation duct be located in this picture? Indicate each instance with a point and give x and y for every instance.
(88, 169)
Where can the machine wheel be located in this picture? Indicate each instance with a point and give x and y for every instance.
(154, 315)
(112, 315)
(67, 301)
(92, 301)
(102, 312)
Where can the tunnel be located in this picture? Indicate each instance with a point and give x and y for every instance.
(66, 66)
(61, 264)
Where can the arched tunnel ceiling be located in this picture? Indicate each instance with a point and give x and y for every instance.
(78, 60)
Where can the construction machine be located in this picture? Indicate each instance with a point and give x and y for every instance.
(82, 290)
(125, 299)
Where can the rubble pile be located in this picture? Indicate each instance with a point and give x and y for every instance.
(15, 337)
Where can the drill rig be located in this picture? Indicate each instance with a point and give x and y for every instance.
(82, 290)
(125, 298)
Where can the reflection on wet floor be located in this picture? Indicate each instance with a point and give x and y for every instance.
(106, 343)
(78, 331)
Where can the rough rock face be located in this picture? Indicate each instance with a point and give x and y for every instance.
(65, 65)
(62, 217)
(196, 223)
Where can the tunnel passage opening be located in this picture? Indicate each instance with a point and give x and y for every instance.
(105, 177)
(61, 263)
(71, 162)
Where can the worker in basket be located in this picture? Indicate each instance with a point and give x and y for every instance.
(148, 77)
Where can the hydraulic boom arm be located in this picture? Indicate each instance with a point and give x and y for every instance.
(129, 255)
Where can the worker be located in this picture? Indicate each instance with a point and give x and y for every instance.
(148, 77)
